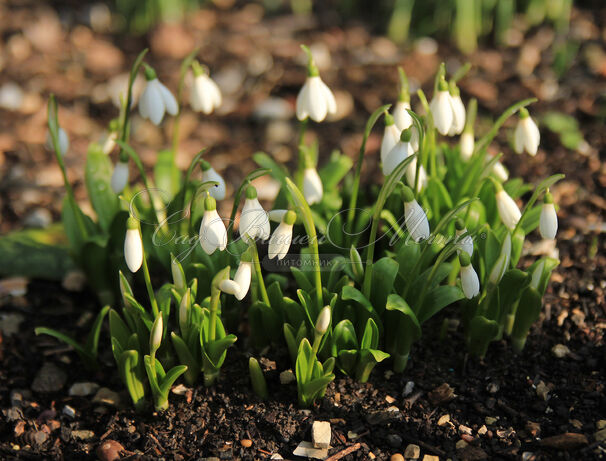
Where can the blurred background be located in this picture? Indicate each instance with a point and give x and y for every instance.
(82, 51)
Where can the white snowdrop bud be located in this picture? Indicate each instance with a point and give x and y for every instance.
(323, 320)
(62, 139)
(391, 136)
(508, 209)
(414, 216)
(254, 222)
(399, 153)
(469, 279)
(209, 174)
(280, 241)
(401, 116)
(467, 145)
(119, 178)
(312, 186)
(315, 100)
(548, 222)
(458, 112)
(441, 108)
(177, 273)
(500, 171)
(277, 215)
(205, 95)
(133, 245)
(464, 243)
(526, 136)
(155, 337)
(156, 99)
(213, 234)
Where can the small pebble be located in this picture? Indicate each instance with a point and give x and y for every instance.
(444, 419)
(560, 351)
(397, 457)
(83, 389)
(410, 385)
(246, 443)
(109, 450)
(412, 451)
(69, 411)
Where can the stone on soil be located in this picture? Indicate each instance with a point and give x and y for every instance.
(50, 378)
(306, 449)
(566, 441)
(412, 451)
(320, 434)
(83, 389)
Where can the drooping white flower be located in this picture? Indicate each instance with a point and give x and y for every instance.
(277, 215)
(241, 283)
(458, 113)
(399, 153)
(401, 116)
(463, 243)
(414, 216)
(323, 320)
(548, 222)
(156, 99)
(312, 186)
(441, 109)
(61, 138)
(213, 234)
(315, 100)
(526, 136)
(209, 174)
(469, 279)
(391, 136)
(254, 222)
(205, 95)
(119, 178)
(502, 263)
(467, 145)
(508, 209)
(133, 245)
(500, 171)
(411, 172)
(280, 240)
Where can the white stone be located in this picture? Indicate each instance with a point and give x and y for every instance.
(412, 452)
(320, 434)
(83, 389)
(306, 449)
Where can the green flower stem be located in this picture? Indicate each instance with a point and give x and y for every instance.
(129, 95)
(188, 174)
(429, 149)
(351, 212)
(258, 273)
(301, 153)
(310, 229)
(150, 288)
(214, 308)
(314, 349)
(184, 68)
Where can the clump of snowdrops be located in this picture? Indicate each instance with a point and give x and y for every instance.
(343, 275)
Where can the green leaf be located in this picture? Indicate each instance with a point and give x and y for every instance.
(370, 338)
(257, 378)
(278, 171)
(167, 176)
(97, 176)
(88, 358)
(384, 275)
(118, 329)
(133, 373)
(437, 299)
(335, 170)
(186, 358)
(36, 253)
(170, 378)
(350, 293)
(92, 341)
(481, 332)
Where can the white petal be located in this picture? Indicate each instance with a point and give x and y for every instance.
(331, 103)
(206, 102)
(500, 172)
(531, 136)
(391, 136)
(401, 116)
(508, 210)
(215, 93)
(155, 102)
(254, 222)
(317, 104)
(195, 97)
(396, 156)
(312, 186)
(442, 112)
(458, 115)
(218, 191)
(170, 103)
(63, 141)
(416, 221)
(230, 287)
(548, 222)
(279, 243)
(144, 103)
(277, 215)
(119, 178)
(303, 101)
(411, 172)
(213, 234)
(469, 282)
(518, 139)
(133, 250)
(242, 278)
(466, 243)
(467, 145)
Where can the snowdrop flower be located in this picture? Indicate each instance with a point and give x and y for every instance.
(213, 234)
(279, 243)
(323, 321)
(155, 337)
(241, 283)
(399, 153)
(467, 145)
(500, 267)
(458, 112)
(526, 135)
(119, 178)
(500, 171)
(205, 94)
(254, 222)
(469, 279)
(391, 136)
(441, 109)
(508, 209)
(411, 172)
(209, 174)
(464, 244)
(312, 186)
(414, 216)
(133, 245)
(277, 215)
(156, 99)
(63, 141)
(315, 100)
(548, 222)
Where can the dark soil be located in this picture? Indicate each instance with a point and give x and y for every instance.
(505, 407)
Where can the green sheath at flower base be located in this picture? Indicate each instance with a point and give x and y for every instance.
(404, 95)
(197, 68)
(407, 194)
(210, 203)
(204, 165)
(251, 193)
(312, 69)
(132, 223)
(389, 120)
(406, 135)
(443, 85)
(150, 73)
(548, 199)
(464, 259)
(290, 217)
(523, 113)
